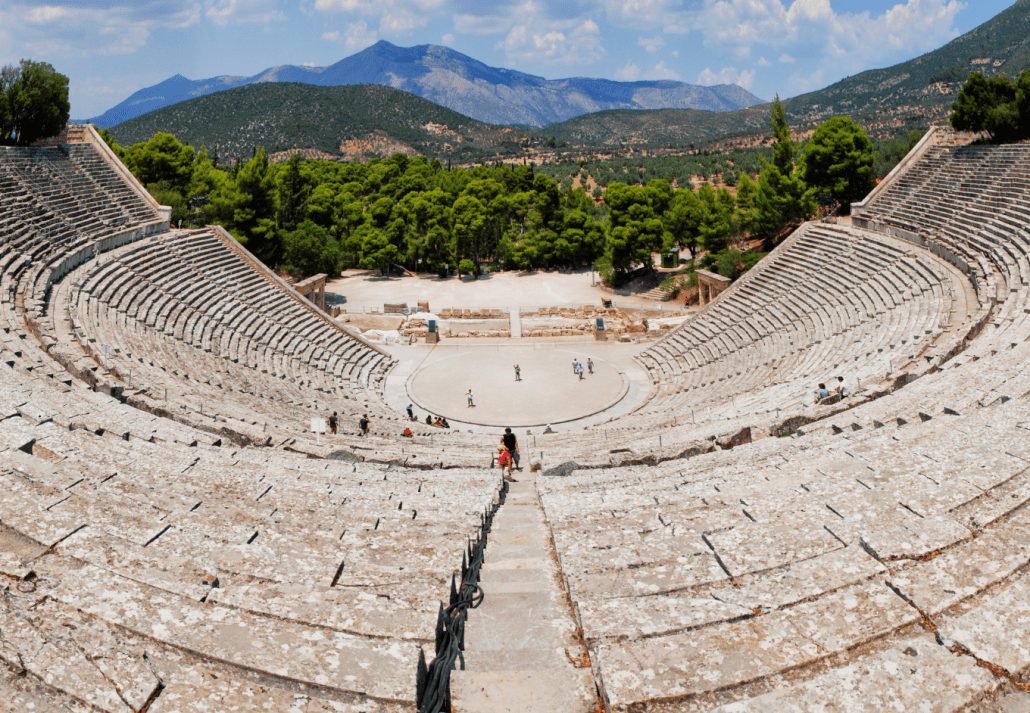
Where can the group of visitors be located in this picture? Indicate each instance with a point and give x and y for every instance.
(431, 420)
(577, 367)
(508, 454)
(822, 393)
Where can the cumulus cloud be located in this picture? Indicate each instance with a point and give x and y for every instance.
(660, 71)
(358, 36)
(786, 59)
(225, 12)
(558, 42)
(447, 39)
(863, 38)
(396, 17)
(629, 73)
(763, 62)
(333, 36)
(651, 44)
(801, 84)
(727, 75)
(99, 28)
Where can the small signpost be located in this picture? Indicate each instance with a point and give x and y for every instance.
(318, 428)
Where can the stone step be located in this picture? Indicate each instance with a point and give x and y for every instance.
(522, 650)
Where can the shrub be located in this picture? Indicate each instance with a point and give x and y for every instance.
(466, 265)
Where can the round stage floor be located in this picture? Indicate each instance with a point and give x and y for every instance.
(548, 393)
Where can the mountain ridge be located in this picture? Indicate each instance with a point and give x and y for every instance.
(451, 79)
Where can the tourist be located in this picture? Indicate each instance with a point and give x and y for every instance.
(469, 397)
(580, 372)
(842, 390)
(363, 424)
(333, 421)
(411, 413)
(518, 373)
(821, 393)
(574, 365)
(443, 422)
(511, 443)
(429, 419)
(590, 365)
(504, 460)
(438, 422)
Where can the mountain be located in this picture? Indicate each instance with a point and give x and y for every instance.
(458, 82)
(331, 122)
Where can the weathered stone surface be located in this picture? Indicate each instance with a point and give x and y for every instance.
(731, 653)
(914, 675)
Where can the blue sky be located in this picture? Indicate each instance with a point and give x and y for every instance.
(111, 48)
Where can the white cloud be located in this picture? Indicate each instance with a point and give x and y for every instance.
(49, 32)
(553, 42)
(447, 39)
(651, 44)
(675, 53)
(333, 36)
(401, 21)
(225, 12)
(660, 71)
(800, 85)
(786, 59)
(863, 39)
(727, 75)
(628, 73)
(477, 25)
(763, 62)
(358, 36)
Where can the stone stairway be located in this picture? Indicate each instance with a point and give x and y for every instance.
(523, 653)
(516, 323)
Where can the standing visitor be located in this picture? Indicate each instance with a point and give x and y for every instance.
(333, 421)
(411, 413)
(590, 365)
(469, 397)
(518, 373)
(363, 424)
(511, 444)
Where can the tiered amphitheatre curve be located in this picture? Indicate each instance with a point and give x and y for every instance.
(173, 539)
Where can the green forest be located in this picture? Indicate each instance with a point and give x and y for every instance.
(308, 216)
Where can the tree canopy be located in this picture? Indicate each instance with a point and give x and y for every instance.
(309, 216)
(839, 159)
(997, 106)
(33, 102)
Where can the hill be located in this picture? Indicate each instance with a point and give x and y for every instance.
(886, 101)
(350, 121)
(456, 81)
(921, 90)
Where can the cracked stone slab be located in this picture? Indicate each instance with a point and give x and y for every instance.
(202, 689)
(729, 654)
(916, 538)
(381, 668)
(757, 547)
(916, 675)
(966, 569)
(996, 629)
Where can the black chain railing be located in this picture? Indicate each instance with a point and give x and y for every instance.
(433, 682)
